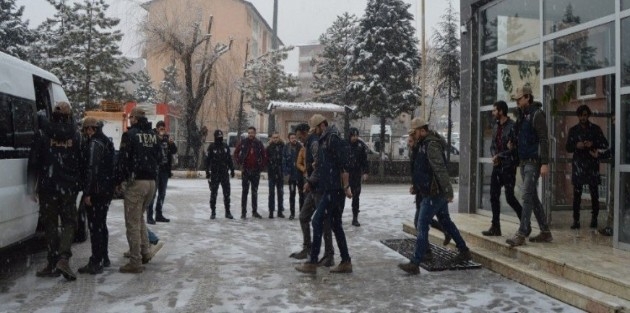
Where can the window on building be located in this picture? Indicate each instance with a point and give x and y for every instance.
(509, 23)
(502, 75)
(562, 14)
(625, 51)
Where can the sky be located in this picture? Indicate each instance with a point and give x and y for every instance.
(313, 18)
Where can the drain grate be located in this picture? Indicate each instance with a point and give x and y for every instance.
(441, 255)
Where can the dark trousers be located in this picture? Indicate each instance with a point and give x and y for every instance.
(97, 223)
(252, 178)
(160, 191)
(306, 212)
(330, 207)
(355, 187)
(276, 183)
(214, 183)
(52, 207)
(293, 185)
(577, 200)
(507, 180)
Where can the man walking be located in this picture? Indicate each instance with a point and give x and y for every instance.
(218, 163)
(252, 156)
(332, 171)
(98, 190)
(54, 171)
(167, 150)
(359, 169)
(584, 141)
(275, 170)
(504, 162)
(138, 167)
(533, 153)
(431, 181)
(296, 178)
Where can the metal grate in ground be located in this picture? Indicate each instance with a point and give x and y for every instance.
(441, 255)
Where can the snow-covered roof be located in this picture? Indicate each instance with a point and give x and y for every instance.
(304, 106)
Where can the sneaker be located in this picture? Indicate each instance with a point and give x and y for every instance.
(576, 225)
(410, 268)
(355, 222)
(151, 221)
(91, 269)
(606, 231)
(292, 216)
(308, 268)
(544, 236)
(133, 269)
(48, 271)
(162, 219)
(256, 215)
(327, 261)
(213, 216)
(228, 215)
(270, 215)
(146, 258)
(63, 265)
(300, 255)
(342, 268)
(462, 256)
(280, 215)
(517, 240)
(493, 231)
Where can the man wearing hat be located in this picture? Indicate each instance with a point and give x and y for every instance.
(98, 190)
(533, 152)
(53, 174)
(431, 181)
(218, 163)
(359, 169)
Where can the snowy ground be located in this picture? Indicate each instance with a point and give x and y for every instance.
(243, 266)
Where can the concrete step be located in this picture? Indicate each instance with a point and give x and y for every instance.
(563, 268)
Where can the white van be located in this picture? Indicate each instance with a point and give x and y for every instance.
(25, 90)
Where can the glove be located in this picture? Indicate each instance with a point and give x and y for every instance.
(232, 173)
(207, 175)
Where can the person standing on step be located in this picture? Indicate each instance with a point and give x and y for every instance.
(584, 141)
(296, 178)
(504, 161)
(532, 144)
(54, 173)
(275, 170)
(219, 169)
(332, 171)
(98, 190)
(431, 181)
(252, 156)
(359, 169)
(167, 150)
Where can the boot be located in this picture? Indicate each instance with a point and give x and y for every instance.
(327, 261)
(132, 269)
(213, 215)
(308, 268)
(594, 221)
(48, 271)
(151, 221)
(228, 215)
(63, 265)
(462, 256)
(91, 268)
(517, 240)
(342, 268)
(576, 225)
(495, 230)
(153, 250)
(243, 214)
(256, 215)
(447, 239)
(302, 254)
(410, 268)
(355, 221)
(161, 218)
(292, 216)
(270, 214)
(544, 236)
(280, 214)
(106, 262)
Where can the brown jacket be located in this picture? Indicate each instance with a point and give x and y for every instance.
(301, 161)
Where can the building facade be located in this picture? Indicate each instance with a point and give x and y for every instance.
(572, 52)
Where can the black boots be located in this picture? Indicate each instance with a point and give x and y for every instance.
(355, 220)
(576, 225)
(228, 215)
(495, 230)
(213, 215)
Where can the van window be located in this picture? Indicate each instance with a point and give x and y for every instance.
(24, 122)
(6, 121)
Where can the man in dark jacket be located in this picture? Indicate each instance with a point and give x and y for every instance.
(431, 181)
(296, 179)
(54, 173)
(138, 167)
(218, 163)
(165, 160)
(332, 171)
(275, 171)
(584, 141)
(252, 156)
(504, 162)
(359, 169)
(533, 153)
(98, 190)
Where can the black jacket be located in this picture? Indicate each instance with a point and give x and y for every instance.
(167, 150)
(218, 160)
(358, 158)
(585, 169)
(275, 157)
(332, 159)
(139, 153)
(99, 170)
(508, 159)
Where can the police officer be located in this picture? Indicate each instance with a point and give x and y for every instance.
(138, 167)
(218, 162)
(54, 167)
(358, 170)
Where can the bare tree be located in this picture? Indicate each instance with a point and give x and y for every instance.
(225, 92)
(180, 34)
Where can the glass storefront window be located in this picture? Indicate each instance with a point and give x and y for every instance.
(586, 50)
(625, 51)
(502, 75)
(624, 208)
(509, 23)
(561, 14)
(625, 4)
(624, 124)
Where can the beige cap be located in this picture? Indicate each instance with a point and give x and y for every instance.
(137, 112)
(520, 92)
(63, 108)
(315, 120)
(90, 122)
(417, 123)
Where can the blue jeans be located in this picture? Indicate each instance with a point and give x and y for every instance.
(153, 238)
(330, 207)
(530, 171)
(276, 183)
(160, 191)
(434, 206)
